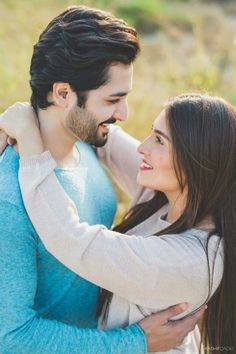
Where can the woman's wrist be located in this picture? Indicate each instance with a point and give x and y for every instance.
(29, 141)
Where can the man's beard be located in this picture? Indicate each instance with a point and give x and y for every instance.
(83, 125)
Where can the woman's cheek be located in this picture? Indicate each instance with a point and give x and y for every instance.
(160, 161)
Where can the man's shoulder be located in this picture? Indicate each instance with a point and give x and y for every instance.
(13, 215)
(9, 184)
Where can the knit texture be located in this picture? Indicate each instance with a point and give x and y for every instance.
(42, 303)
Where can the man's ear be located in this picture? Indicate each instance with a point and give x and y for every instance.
(62, 94)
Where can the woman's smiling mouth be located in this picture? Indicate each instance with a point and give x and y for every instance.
(145, 166)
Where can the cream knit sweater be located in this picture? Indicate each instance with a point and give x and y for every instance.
(145, 272)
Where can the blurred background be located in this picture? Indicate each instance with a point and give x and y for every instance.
(187, 45)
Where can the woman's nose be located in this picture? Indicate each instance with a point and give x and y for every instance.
(143, 147)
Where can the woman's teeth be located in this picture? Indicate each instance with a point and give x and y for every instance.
(146, 166)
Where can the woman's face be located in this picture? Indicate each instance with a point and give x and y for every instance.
(157, 170)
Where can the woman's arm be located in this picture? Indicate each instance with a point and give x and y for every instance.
(158, 334)
(154, 272)
(121, 157)
(119, 154)
(20, 123)
(23, 329)
(150, 266)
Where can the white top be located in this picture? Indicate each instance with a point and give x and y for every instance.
(146, 273)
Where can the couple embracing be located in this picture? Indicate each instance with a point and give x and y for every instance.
(68, 282)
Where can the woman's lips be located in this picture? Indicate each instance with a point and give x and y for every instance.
(145, 166)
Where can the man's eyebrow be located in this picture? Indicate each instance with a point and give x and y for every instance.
(157, 131)
(119, 94)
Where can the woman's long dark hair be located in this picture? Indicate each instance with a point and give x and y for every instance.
(203, 134)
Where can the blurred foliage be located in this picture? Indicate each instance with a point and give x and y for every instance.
(186, 46)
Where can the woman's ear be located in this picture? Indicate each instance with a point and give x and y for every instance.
(61, 94)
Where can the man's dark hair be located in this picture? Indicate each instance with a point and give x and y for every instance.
(78, 47)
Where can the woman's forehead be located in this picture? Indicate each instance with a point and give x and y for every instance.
(160, 122)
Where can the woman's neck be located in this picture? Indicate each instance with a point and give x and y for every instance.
(176, 208)
(177, 203)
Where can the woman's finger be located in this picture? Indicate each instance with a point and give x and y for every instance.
(3, 141)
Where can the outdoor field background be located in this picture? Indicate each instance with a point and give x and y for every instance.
(186, 46)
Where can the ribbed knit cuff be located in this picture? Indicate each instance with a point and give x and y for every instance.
(39, 159)
(139, 343)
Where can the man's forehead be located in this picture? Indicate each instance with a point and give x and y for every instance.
(119, 68)
(119, 79)
(119, 82)
(115, 91)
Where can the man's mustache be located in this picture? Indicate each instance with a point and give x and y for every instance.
(109, 121)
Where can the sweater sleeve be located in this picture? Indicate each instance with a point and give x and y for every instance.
(121, 157)
(150, 266)
(22, 330)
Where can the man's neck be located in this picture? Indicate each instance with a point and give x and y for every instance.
(56, 139)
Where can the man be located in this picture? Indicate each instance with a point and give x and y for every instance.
(81, 73)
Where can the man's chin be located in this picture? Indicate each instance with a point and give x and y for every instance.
(101, 141)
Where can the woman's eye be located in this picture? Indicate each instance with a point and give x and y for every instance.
(159, 140)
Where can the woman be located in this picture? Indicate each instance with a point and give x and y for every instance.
(182, 221)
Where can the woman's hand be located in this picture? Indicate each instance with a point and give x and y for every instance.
(3, 141)
(20, 123)
(17, 120)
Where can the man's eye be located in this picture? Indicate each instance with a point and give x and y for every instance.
(114, 101)
(159, 140)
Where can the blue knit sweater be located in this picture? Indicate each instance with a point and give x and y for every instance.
(44, 307)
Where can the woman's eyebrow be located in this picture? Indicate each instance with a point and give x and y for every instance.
(157, 131)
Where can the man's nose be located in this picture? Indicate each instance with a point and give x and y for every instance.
(121, 112)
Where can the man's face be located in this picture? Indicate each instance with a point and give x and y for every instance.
(103, 106)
